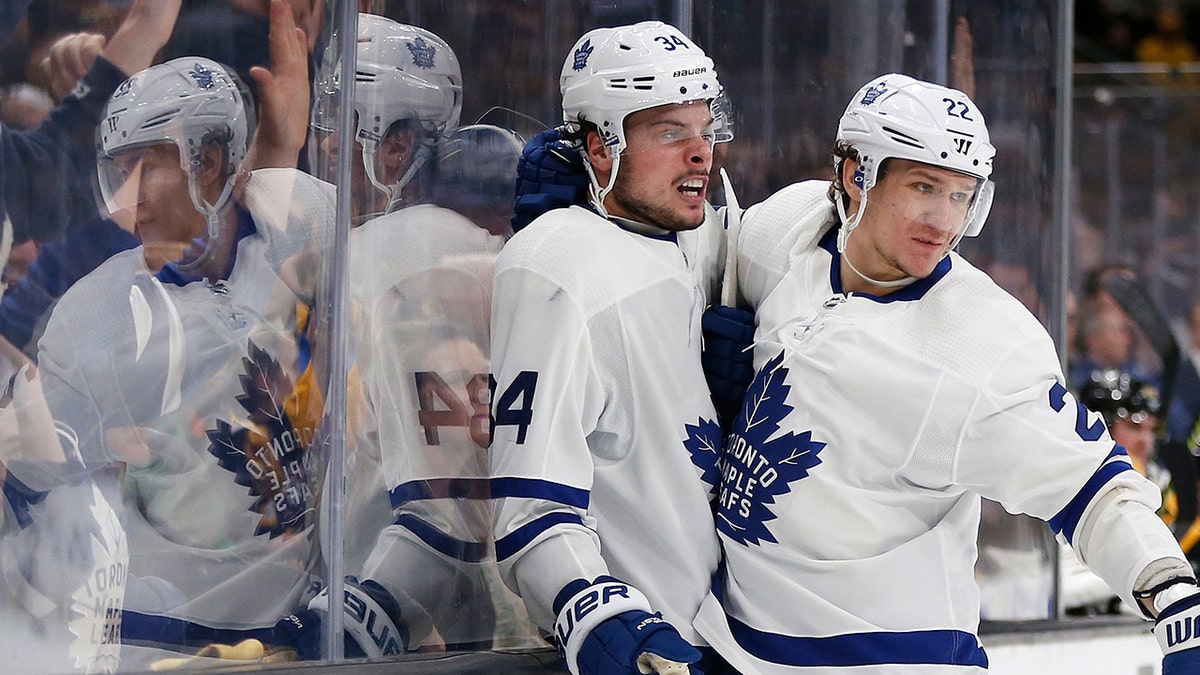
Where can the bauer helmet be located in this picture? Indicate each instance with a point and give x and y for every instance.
(611, 73)
(897, 117)
(1116, 394)
(401, 72)
(189, 101)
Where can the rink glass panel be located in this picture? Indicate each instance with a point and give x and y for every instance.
(381, 364)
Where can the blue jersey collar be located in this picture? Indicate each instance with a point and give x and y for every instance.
(914, 291)
(171, 272)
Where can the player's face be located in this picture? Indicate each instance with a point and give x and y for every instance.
(663, 174)
(393, 154)
(1137, 437)
(163, 209)
(913, 217)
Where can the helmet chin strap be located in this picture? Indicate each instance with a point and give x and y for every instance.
(393, 191)
(212, 220)
(848, 225)
(596, 194)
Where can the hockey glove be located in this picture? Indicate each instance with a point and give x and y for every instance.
(1178, 633)
(727, 359)
(606, 628)
(550, 175)
(372, 623)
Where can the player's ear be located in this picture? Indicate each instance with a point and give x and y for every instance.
(852, 179)
(212, 164)
(394, 151)
(598, 153)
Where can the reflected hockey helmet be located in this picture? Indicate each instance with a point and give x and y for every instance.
(401, 72)
(189, 102)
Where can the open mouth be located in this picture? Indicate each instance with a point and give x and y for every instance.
(692, 188)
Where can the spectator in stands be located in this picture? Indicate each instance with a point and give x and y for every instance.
(1168, 45)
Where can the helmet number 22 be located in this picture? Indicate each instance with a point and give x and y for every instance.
(958, 109)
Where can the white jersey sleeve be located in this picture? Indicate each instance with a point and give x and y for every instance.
(421, 281)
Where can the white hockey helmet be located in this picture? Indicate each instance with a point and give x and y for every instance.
(189, 102)
(611, 73)
(897, 117)
(402, 72)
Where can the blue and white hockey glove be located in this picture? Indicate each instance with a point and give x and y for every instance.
(372, 623)
(1178, 631)
(550, 175)
(606, 628)
(727, 359)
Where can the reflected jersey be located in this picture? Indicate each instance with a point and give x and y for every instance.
(421, 280)
(197, 389)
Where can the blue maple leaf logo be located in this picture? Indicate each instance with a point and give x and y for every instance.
(759, 464)
(422, 53)
(270, 455)
(704, 442)
(204, 76)
(873, 93)
(581, 55)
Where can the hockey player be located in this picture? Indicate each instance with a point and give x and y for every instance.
(420, 279)
(63, 555)
(897, 384)
(188, 378)
(605, 438)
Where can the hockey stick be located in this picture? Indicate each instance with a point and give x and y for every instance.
(733, 226)
(1137, 303)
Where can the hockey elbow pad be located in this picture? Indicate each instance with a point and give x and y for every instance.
(727, 359)
(550, 175)
(1178, 631)
(606, 628)
(371, 621)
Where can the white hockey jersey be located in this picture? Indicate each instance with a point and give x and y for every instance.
(63, 571)
(849, 500)
(196, 388)
(421, 281)
(605, 440)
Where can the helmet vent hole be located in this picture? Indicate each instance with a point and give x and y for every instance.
(944, 154)
(903, 138)
(161, 119)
